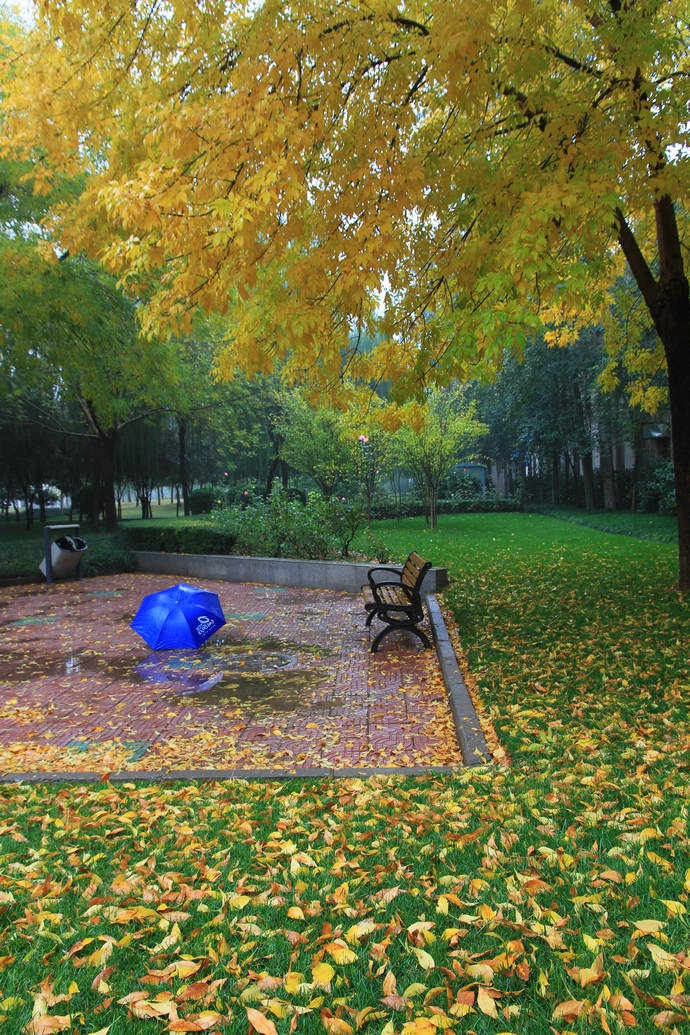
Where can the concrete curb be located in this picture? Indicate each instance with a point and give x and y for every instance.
(205, 775)
(470, 737)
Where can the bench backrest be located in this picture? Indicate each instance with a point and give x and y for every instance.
(413, 572)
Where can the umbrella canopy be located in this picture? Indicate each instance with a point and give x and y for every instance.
(178, 617)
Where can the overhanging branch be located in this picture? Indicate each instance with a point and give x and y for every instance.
(637, 262)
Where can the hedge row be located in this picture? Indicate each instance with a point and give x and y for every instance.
(411, 507)
(187, 537)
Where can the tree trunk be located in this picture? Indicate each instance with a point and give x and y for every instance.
(29, 507)
(678, 358)
(668, 301)
(588, 480)
(106, 453)
(182, 463)
(637, 451)
(432, 499)
(272, 471)
(608, 476)
(555, 477)
(145, 491)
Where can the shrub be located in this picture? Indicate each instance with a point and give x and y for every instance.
(411, 505)
(372, 548)
(462, 485)
(284, 526)
(201, 501)
(190, 537)
(108, 555)
(658, 490)
(386, 505)
(488, 503)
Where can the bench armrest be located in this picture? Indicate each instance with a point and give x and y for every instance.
(380, 574)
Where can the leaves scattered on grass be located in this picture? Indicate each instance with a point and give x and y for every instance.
(484, 902)
(548, 895)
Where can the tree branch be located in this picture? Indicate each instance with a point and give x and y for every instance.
(409, 23)
(637, 262)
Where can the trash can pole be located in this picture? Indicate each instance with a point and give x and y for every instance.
(48, 550)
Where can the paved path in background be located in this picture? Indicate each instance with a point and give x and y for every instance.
(288, 686)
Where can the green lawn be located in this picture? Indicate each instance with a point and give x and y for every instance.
(546, 893)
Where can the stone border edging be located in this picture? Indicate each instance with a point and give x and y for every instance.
(470, 737)
(173, 775)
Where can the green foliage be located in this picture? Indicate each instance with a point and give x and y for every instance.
(316, 443)
(284, 526)
(202, 501)
(486, 503)
(180, 536)
(463, 485)
(373, 547)
(658, 490)
(412, 505)
(545, 411)
(107, 554)
(449, 429)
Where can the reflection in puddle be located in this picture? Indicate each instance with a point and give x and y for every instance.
(287, 692)
(268, 675)
(72, 665)
(192, 672)
(265, 676)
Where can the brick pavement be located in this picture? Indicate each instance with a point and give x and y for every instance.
(288, 686)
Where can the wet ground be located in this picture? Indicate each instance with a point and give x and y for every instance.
(288, 685)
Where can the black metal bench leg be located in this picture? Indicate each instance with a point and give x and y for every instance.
(422, 635)
(391, 628)
(379, 637)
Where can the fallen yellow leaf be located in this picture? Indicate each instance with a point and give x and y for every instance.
(260, 1023)
(340, 952)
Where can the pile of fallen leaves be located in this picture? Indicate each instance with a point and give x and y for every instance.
(550, 894)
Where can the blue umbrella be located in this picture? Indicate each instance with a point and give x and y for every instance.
(178, 617)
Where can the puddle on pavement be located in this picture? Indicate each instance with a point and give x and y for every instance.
(284, 692)
(266, 675)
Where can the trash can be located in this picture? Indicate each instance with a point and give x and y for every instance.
(65, 557)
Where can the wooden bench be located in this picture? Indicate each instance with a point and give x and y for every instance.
(394, 596)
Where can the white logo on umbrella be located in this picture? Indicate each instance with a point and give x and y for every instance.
(204, 624)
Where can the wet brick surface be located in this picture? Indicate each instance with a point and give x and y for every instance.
(287, 685)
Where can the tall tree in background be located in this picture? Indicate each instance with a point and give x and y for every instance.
(71, 333)
(446, 430)
(484, 168)
(317, 443)
(548, 416)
